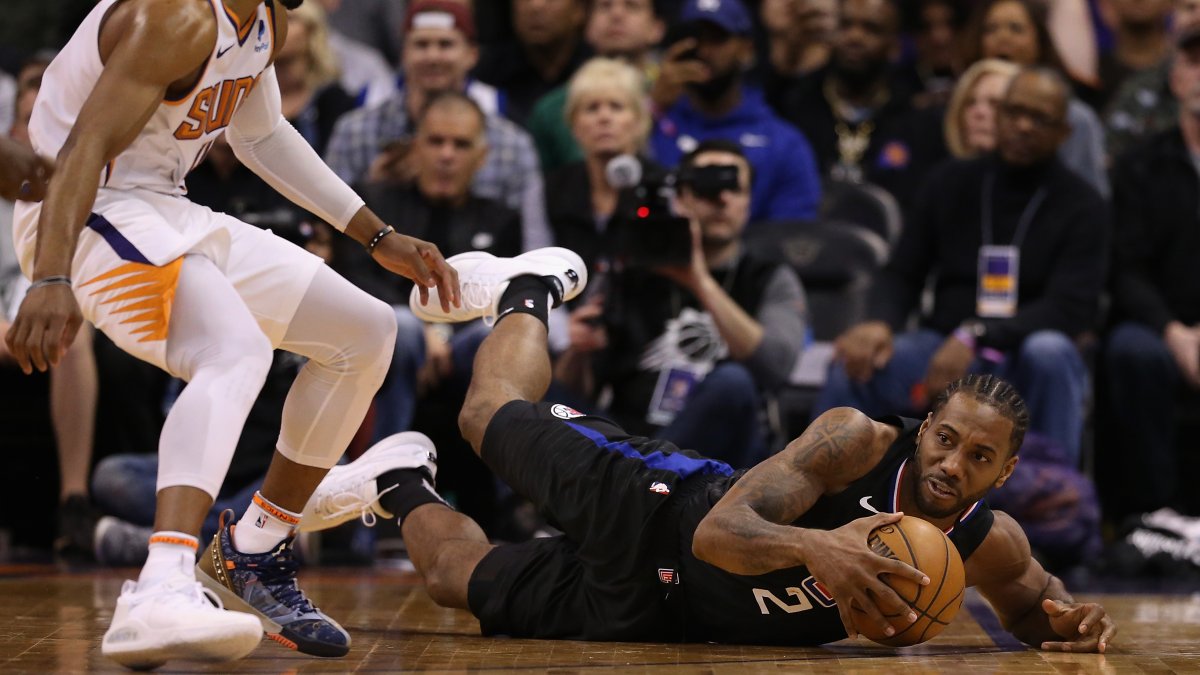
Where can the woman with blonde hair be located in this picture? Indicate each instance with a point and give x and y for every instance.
(970, 122)
(608, 114)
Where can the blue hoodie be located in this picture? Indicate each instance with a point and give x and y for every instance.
(787, 185)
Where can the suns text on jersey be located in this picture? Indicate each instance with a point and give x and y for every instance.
(213, 107)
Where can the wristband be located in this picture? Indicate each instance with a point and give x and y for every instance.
(387, 229)
(50, 281)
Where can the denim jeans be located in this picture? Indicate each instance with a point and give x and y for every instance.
(125, 486)
(721, 418)
(1047, 369)
(1143, 384)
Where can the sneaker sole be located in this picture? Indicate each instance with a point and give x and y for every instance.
(273, 629)
(216, 647)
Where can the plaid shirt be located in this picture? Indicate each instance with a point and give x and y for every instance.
(509, 175)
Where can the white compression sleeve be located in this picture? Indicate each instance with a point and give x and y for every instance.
(272, 148)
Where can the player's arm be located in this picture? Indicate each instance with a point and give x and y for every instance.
(1033, 604)
(272, 148)
(146, 45)
(748, 531)
(23, 174)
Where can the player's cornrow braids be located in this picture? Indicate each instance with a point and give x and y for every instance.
(995, 392)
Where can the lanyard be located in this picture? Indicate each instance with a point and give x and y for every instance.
(1031, 209)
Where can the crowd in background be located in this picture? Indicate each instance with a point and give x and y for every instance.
(784, 206)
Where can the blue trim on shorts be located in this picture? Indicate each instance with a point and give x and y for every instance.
(122, 246)
(678, 464)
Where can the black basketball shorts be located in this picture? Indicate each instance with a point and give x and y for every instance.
(610, 493)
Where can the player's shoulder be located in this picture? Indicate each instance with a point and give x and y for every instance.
(170, 25)
(1004, 552)
(850, 441)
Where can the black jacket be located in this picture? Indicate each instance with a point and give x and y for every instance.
(1063, 256)
(1157, 206)
(904, 146)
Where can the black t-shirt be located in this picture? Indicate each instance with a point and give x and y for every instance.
(789, 607)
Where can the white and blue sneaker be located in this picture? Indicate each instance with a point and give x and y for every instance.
(483, 278)
(349, 490)
(264, 585)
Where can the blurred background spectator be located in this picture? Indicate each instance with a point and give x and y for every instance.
(1013, 292)
(621, 29)
(701, 95)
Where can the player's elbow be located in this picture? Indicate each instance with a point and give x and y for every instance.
(705, 540)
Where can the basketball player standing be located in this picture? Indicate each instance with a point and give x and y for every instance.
(127, 109)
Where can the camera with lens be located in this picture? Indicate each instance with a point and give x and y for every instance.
(645, 230)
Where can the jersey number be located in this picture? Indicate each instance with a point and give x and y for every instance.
(810, 588)
(762, 595)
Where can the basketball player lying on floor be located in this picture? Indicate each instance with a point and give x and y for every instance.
(663, 545)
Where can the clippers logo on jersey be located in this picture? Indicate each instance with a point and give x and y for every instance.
(564, 412)
(818, 592)
(213, 107)
(668, 576)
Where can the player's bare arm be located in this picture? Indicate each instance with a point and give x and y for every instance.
(749, 532)
(128, 92)
(1033, 604)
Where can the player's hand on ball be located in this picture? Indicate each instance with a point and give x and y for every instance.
(850, 572)
(1085, 625)
(422, 262)
(45, 326)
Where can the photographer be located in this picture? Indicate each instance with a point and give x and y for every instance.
(681, 351)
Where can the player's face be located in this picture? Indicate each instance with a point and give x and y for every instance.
(437, 59)
(962, 452)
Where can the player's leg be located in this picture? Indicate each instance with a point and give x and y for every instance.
(348, 337)
(206, 336)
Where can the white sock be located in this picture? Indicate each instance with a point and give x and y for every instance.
(171, 553)
(263, 526)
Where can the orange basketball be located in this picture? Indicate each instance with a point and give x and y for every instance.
(922, 545)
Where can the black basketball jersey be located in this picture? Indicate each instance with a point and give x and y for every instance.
(789, 607)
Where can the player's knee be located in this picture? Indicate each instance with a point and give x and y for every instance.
(473, 418)
(444, 581)
(372, 339)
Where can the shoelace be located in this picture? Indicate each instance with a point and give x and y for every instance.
(347, 501)
(194, 591)
(478, 295)
(278, 575)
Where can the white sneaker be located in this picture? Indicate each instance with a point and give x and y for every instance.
(483, 278)
(176, 619)
(349, 491)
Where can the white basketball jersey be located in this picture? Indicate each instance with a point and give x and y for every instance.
(181, 131)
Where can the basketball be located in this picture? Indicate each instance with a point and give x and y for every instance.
(922, 545)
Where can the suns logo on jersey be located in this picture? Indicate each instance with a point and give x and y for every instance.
(213, 107)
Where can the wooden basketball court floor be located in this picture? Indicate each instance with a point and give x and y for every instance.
(52, 623)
